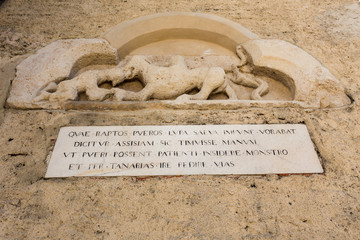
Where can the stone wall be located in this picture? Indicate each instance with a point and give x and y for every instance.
(322, 206)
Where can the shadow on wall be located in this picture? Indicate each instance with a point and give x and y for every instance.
(1, 2)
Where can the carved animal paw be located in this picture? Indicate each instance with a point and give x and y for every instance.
(44, 96)
(63, 96)
(183, 98)
(119, 94)
(46, 92)
(98, 94)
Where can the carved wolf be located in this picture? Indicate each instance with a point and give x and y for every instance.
(160, 83)
(172, 81)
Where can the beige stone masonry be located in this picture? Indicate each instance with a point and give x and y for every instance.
(226, 59)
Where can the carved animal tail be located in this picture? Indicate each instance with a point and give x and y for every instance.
(249, 80)
(261, 90)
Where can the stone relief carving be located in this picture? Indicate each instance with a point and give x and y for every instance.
(162, 83)
(241, 65)
(243, 75)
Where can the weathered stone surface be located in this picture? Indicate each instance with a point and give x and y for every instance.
(7, 74)
(308, 79)
(64, 70)
(58, 61)
(311, 84)
(319, 206)
(160, 82)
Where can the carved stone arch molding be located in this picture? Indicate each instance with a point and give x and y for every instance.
(190, 60)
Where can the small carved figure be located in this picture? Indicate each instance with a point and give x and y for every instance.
(246, 78)
(87, 82)
(173, 81)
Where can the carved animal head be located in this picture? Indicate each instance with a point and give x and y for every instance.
(135, 66)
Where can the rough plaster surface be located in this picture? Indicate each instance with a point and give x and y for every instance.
(192, 207)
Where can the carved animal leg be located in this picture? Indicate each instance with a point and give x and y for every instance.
(123, 95)
(261, 87)
(261, 90)
(230, 92)
(183, 97)
(90, 80)
(42, 97)
(66, 90)
(88, 83)
(245, 79)
(203, 94)
(214, 79)
(119, 94)
(46, 92)
(97, 94)
(249, 80)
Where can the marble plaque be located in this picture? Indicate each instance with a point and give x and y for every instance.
(183, 150)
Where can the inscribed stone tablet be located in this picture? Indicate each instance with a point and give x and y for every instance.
(183, 150)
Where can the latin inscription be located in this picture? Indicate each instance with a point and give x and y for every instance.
(182, 150)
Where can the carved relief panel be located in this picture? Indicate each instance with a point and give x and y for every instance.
(166, 59)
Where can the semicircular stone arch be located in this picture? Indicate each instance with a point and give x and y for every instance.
(258, 72)
(177, 32)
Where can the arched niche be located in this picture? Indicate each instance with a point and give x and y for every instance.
(177, 33)
(297, 79)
